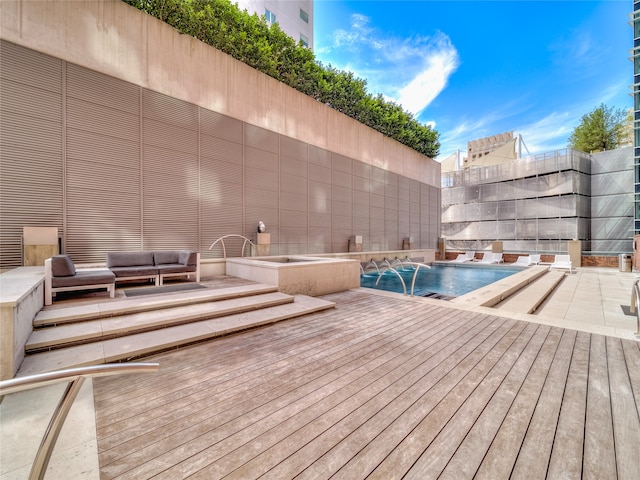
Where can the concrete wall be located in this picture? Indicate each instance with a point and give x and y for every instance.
(114, 38)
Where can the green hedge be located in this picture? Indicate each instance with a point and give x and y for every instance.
(251, 40)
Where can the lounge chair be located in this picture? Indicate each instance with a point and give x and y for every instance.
(562, 261)
(534, 259)
(497, 258)
(487, 258)
(523, 261)
(471, 255)
(461, 258)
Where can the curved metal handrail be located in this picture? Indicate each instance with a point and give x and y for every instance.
(75, 377)
(224, 249)
(415, 273)
(635, 304)
(404, 286)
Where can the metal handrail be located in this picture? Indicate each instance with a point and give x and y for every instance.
(224, 249)
(415, 274)
(75, 377)
(404, 286)
(635, 304)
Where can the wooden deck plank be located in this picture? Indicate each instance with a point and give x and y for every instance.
(405, 455)
(502, 454)
(237, 365)
(472, 450)
(198, 437)
(566, 457)
(441, 451)
(626, 419)
(230, 403)
(384, 386)
(345, 437)
(335, 398)
(376, 439)
(599, 449)
(535, 452)
(380, 387)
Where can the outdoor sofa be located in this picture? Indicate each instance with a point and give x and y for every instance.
(60, 275)
(154, 265)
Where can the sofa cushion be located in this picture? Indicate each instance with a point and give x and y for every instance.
(140, 271)
(165, 257)
(129, 259)
(188, 257)
(62, 266)
(93, 277)
(176, 268)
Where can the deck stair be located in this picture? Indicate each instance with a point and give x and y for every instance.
(120, 330)
(530, 297)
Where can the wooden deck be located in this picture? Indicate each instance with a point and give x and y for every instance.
(380, 388)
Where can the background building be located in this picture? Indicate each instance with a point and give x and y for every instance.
(295, 17)
(635, 23)
(538, 203)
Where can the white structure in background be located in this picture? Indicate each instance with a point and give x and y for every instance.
(295, 17)
(538, 203)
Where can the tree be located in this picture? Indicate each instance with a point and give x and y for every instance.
(600, 129)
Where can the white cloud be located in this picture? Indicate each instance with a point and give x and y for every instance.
(439, 63)
(410, 71)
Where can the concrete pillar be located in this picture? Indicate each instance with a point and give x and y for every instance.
(39, 243)
(496, 247)
(574, 248)
(263, 245)
(355, 243)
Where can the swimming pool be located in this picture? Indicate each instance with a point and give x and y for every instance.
(441, 281)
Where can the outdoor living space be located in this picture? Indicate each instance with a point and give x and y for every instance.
(381, 386)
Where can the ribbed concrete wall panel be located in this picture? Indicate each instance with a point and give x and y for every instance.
(98, 89)
(298, 167)
(258, 179)
(221, 126)
(290, 147)
(260, 138)
(179, 176)
(341, 179)
(221, 150)
(22, 99)
(319, 156)
(261, 159)
(168, 110)
(107, 121)
(169, 137)
(319, 173)
(31, 68)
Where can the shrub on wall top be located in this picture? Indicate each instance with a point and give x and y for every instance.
(267, 48)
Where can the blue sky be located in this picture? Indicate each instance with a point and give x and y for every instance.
(478, 68)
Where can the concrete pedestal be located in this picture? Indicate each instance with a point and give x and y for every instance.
(263, 245)
(39, 243)
(355, 243)
(574, 248)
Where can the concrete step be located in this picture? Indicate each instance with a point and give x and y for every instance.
(143, 344)
(110, 327)
(81, 313)
(529, 298)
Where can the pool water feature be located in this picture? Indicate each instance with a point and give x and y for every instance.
(440, 281)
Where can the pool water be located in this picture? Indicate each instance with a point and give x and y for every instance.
(441, 280)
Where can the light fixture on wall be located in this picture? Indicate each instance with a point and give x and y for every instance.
(261, 227)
